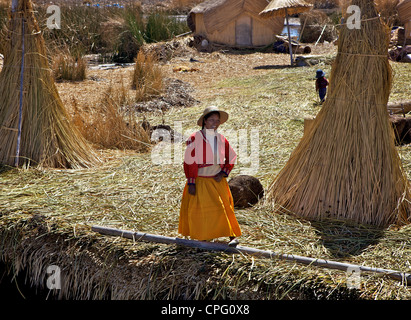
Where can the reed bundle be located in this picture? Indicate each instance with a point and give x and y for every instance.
(346, 166)
(47, 136)
(147, 77)
(69, 66)
(107, 125)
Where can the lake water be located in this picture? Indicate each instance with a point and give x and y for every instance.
(294, 28)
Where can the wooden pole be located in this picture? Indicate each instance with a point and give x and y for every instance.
(320, 35)
(289, 36)
(14, 6)
(16, 160)
(299, 37)
(215, 246)
(399, 107)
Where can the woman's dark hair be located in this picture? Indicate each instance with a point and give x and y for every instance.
(208, 115)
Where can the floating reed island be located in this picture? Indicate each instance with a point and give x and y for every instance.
(46, 217)
(347, 166)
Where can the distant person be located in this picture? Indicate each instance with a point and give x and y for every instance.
(321, 84)
(207, 206)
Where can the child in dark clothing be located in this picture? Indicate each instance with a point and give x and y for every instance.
(321, 84)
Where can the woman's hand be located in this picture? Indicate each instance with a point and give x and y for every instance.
(192, 189)
(218, 177)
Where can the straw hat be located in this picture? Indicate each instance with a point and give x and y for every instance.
(223, 115)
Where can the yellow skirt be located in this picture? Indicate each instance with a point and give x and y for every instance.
(209, 214)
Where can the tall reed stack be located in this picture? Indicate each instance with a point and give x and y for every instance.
(346, 166)
(32, 114)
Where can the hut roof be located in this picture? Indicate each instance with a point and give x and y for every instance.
(404, 10)
(218, 12)
(277, 7)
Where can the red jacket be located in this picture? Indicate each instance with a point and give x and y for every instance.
(199, 154)
(321, 83)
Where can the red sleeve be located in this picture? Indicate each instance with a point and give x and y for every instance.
(190, 166)
(230, 157)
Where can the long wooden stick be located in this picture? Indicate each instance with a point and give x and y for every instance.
(320, 35)
(289, 37)
(299, 38)
(215, 246)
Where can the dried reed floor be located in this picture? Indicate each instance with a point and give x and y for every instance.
(130, 191)
(212, 68)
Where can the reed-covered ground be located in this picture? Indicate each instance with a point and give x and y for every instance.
(46, 214)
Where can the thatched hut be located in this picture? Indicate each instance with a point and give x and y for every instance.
(234, 22)
(404, 13)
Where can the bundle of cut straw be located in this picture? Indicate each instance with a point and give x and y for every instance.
(346, 166)
(147, 77)
(30, 107)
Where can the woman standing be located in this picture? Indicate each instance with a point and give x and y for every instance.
(207, 209)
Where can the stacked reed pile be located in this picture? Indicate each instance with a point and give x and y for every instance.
(147, 78)
(47, 136)
(346, 166)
